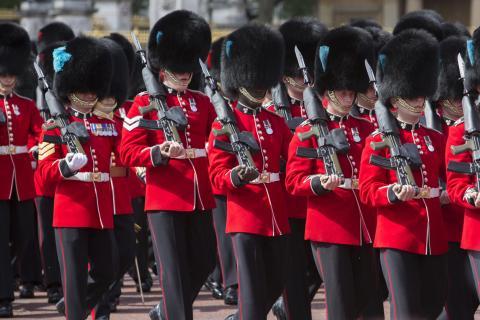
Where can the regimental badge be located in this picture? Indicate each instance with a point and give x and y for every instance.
(193, 104)
(429, 143)
(267, 126)
(103, 129)
(16, 109)
(356, 135)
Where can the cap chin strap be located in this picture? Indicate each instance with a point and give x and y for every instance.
(336, 103)
(175, 79)
(81, 105)
(250, 97)
(405, 105)
(451, 108)
(104, 111)
(294, 83)
(365, 101)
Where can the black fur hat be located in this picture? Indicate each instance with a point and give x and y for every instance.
(455, 29)
(340, 60)
(449, 84)
(305, 33)
(136, 84)
(177, 40)
(420, 20)
(252, 57)
(83, 65)
(408, 66)
(127, 50)
(120, 76)
(45, 60)
(214, 58)
(15, 49)
(472, 61)
(53, 32)
(365, 23)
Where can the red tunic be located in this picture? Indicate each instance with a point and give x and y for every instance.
(337, 216)
(254, 208)
(80, 204)
(182, 184)
(457, 184)
(415, 226)
(23, 123)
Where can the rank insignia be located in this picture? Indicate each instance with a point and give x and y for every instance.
(429, 143)
(268, 126)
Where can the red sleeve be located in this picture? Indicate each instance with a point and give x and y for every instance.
(458, 183)
(49, 156)
(374, 181)
(300, 170)
(287, 137)
(117, 141)
(135, 150)
(36, 122)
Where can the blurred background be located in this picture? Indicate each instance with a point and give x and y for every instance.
(100, 17)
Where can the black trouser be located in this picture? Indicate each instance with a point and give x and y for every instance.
(77, 248)
(348, 277)
(462, 300)
(474, 258)
(124, 249)
(140, 217)
(48, 251)
(224, 243)
(262, 267)
(18, 221)
(374, 309)
(184, 247)
(298, 295)
(417, 284)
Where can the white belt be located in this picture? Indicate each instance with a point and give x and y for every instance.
(349, 184)
(90, 177)
(266, 177)
(11, 149)
(192, 153)
(427, 193)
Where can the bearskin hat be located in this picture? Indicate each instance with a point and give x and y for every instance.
(84, 65)
(365, 23)
(45, 60)
(15, 49)
(127, 50)
(136, 84)
(340, 60)
(472, 62)
(214, 58)
(455, 29)
(449, 84)
(53, 32)
(408, 66)
(252, 57)
(177, 40)
(305, 33)
(120, 76)
(420, 20)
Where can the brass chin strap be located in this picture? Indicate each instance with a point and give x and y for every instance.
(365, 102)
(103, 111)
(336, 103)
(84, 106)
(451, 108)
(175, 79)
(250, 97)
(294, 83)
(405, 105)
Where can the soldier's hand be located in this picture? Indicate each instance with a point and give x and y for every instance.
(248, 174)
(76, 161)
(444, 198)
(171, 149)
(477, 200)
(330, 182)
(404, 192)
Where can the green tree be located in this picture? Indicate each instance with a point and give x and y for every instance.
(296, 8)
(10, 4)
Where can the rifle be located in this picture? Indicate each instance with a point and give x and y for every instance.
(282, 106)
(330, 142)
(472, 134)
(241, 143)
(432, 119)
(169, 119)
(401, 155)
(72, 133)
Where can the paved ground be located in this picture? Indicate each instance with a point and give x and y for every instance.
(131, 307)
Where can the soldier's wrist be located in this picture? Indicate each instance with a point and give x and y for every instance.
(470, 195)
(156, 156)
(65, 170)
(317, 187)
(391, 195)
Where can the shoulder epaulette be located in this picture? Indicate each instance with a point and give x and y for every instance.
(428, 128)
(304, 123)
(143, 93)
(375, 133)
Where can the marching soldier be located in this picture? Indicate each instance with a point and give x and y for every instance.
(122, 206)
(50, 37)
(302, 280)
(410, 230)
(338, 225)
(251, 63)
(83, 208)
(19, 119)
(462, 188)
(178, 193)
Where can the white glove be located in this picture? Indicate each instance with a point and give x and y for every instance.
(76, 161)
